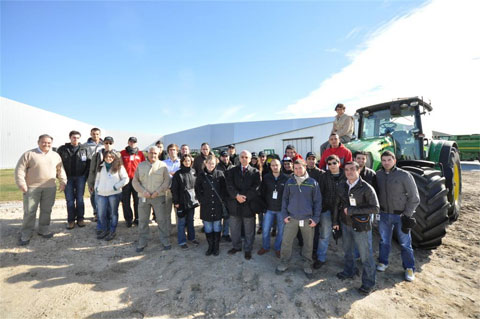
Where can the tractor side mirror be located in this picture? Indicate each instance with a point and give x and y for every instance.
(395, 109)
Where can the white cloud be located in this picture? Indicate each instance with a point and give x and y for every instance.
(432, 52)
(229, 113)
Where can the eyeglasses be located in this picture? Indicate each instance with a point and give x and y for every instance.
(332, 163)
(108, 143)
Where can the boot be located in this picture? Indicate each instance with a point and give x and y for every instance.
(210, 238)
(216, 243)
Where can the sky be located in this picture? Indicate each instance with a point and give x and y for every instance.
(164, 66)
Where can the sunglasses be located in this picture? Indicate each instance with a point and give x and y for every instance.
(108, 143)
(332, 163)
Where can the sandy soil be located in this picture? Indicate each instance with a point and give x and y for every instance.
(75, 275)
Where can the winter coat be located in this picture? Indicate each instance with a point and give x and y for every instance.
(397, 192)
(269, 185)
(302, 201)
(107, 184)
(97, 160)
(151, 178)
(211, 207)
(315, 173)
(341, 151)
(183, 186)
(247, 184)
(328, 187)
(131, 160)
(369, 176)
(76, 161)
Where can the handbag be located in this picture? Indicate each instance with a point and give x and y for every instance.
(225, 213)
(361, 222)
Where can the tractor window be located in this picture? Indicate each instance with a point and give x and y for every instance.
(399, 127)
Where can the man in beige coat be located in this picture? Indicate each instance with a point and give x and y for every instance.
(151, 181)
(35, 176)
(343, 126)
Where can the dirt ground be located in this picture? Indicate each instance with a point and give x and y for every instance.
(74, 275)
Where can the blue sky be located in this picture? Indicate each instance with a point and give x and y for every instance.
(160, 67)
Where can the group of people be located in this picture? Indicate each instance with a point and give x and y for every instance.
(311, 200)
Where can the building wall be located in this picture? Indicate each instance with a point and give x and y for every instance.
(319, 134)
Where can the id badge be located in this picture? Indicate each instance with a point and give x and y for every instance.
(301, 223)
(274, 194)
(353, 202)
(84, 158)
(377, 217)
(132, 157)
(144, 200)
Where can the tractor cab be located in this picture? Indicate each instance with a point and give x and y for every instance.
(398, 122)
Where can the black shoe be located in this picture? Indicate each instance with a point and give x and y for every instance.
(318, 264)
(233, 251)
(248, 255)
(110, 236)
(216, 243)
(226, 238)
(365, 291)
(168, 247)
(195, 242)
(139, 249)
(46, 236)
(23, 242)
(102, 234)
(184, 246)
(259, 231)
(98, 232)
(129, 224)
(135, 222)
(273, 233)
(343, 276)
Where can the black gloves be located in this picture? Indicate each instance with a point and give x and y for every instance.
(408, 223)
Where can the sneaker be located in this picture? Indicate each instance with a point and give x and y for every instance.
(81, 223)
(262, 251)
(110, 236)
(71, 225)
(382, 267)
(318, 264)
(184, 246)
(195, 242)
(281, 269)
(409, 274)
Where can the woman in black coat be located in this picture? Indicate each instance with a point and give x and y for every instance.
(211, 202)
(184, 200)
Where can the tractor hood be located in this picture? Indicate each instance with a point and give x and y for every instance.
(374, 146)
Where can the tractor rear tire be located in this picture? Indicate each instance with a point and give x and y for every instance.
(432, 213)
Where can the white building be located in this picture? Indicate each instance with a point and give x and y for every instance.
(21, 125)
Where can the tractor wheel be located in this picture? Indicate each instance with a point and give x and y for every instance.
(453, 175)
(432, 213)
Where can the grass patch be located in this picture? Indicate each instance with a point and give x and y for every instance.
(10, 192)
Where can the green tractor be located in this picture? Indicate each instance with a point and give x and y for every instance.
(434, 164)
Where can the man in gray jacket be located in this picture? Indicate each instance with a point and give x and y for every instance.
(301, 208)
(398, 197)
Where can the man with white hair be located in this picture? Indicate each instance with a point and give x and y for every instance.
(151, 181)
(243, 183)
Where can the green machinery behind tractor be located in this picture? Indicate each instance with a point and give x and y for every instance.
(434, 164)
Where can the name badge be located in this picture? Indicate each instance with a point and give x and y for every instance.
(84, 158)
(301, 223)
(132, 157)
(353, 202)
(274, 194)
(144, 200)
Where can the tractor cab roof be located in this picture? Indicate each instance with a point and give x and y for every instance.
(396, 104)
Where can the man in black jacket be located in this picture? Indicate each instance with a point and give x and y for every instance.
(356, 202)
(76, 160)
(367, 174)
(243, 182)
(271, 191)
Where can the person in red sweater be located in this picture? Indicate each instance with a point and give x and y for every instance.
(336, 148)
(131, 157)
(291, 152)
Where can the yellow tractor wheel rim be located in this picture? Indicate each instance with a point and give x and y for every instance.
(456, 181)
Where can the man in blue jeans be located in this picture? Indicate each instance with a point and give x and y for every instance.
(398, 197)
(356, 202)
(271, 190)
(76, 160)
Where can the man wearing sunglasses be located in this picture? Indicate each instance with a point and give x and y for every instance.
(328, 187)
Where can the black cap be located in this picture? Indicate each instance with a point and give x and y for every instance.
(223, 153)
(231, 146)
(311, 154)
(108, 139)
(132, 139)
(287, 159)
(261, 153)
(254, 155)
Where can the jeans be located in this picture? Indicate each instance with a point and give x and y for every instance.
(324, 234)
(210, 227)
(108, 212)
(370, 245)
(350, 239)
(45, 197)
(127, 192)
(226, 227)
(74, 195)
(387, 225)
(188, 222)
(268, 219)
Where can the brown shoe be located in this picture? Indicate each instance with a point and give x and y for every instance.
(262, 251)
(277, 253)
(71, 225)
(81, 223)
